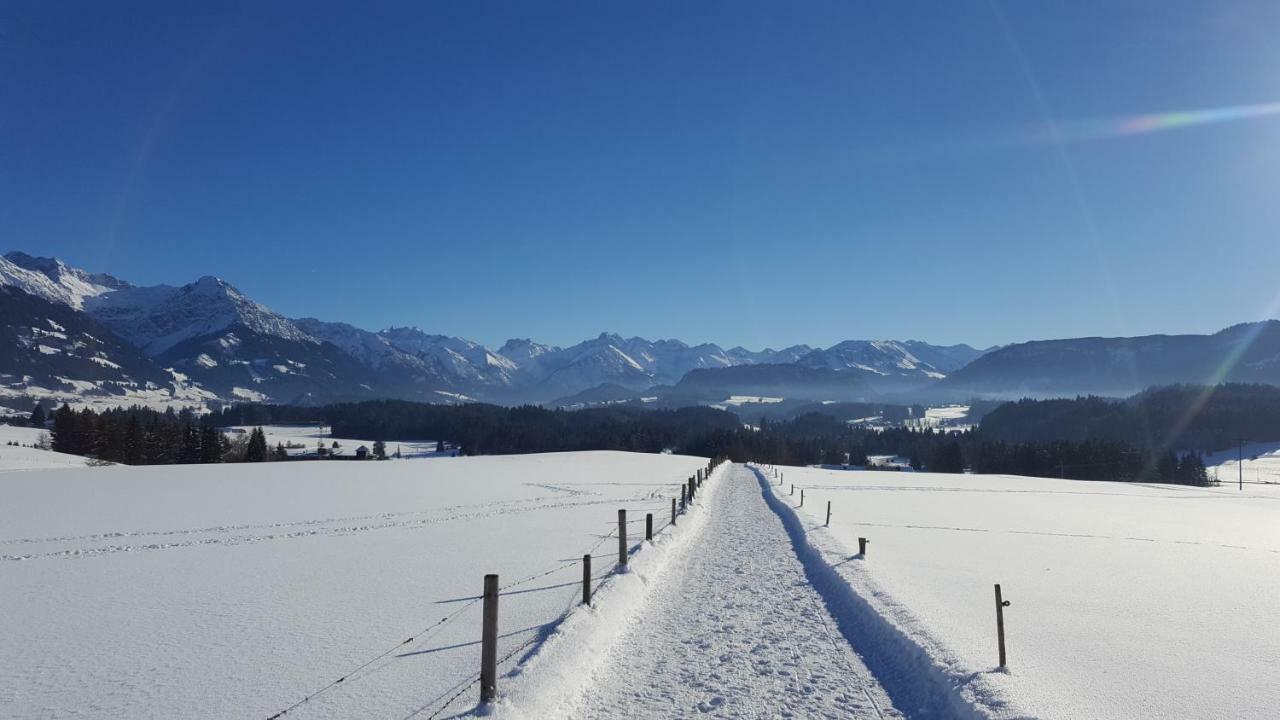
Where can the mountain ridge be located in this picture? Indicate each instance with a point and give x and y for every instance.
(229, 346)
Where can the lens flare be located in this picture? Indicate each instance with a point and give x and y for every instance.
(1130, 125)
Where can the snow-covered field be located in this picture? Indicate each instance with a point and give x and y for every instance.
(237, 590)
(1127, 600)
(31, 458)
(308, 435)
(947, 412)
(737, 401)
(1261, 464)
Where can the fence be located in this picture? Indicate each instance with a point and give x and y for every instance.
(492, 592)
(1001, 603)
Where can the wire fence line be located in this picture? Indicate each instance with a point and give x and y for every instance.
(468, 682)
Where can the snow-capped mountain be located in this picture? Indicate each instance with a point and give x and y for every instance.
(634, 363)
(54, 281)
(219, 339)
(886, 358)
(945, 358)
(464, 360)
(742, 356)
(159, 317)
(523, 351)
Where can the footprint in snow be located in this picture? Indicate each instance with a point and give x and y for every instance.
(711, 704)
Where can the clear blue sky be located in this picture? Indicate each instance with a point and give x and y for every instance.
(740, 172)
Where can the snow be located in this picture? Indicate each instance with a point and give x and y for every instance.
(1127, 600)
(47, 350)
(69, 287)
(247, 394)
(104, 362)
(159, 317)
(947, 412)
(31, 458)
(744, 399)
(204, 361)
(723, 621)
(946, 416)
(106, 394)
(1261, 464)
(41, 332)
(237, 590)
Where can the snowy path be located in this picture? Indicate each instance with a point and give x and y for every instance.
(735, 629)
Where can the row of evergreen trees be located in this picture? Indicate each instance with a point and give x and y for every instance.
(1210, 418)
(142, 436)
(817, 439)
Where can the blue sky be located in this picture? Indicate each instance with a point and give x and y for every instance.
(742, 172)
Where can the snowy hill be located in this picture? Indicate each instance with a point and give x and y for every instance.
(50, 350)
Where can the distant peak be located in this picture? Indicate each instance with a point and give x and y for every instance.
(49, 266)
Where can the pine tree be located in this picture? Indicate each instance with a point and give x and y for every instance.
(37, 416)
(190, 452)
(212, 445)
(257, 449)
(280, 452)
(134, 442)
(379, 450)
(65, 436)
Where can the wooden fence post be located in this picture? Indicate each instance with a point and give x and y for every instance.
(489, 641)
(828, 513)
(622, 537)
(793, 488)
(1001, 604)
(862, 546)
(648, 527)
(586, 579)
(801, 497)
(684, 490)
(673, 511)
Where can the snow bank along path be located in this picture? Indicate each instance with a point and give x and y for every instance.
(1128, 600)
(735, 616)
(733, 628)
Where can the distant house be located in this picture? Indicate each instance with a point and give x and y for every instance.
(362, 453)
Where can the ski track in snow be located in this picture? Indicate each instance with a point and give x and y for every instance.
(738, 631)
(226, 535)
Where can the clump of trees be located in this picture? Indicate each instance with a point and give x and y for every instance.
(1212, 418)
(142, 436)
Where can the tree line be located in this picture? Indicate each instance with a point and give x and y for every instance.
(1180, 417)
(142, 436)
(139, 436)
(817, 439)
(482, 429)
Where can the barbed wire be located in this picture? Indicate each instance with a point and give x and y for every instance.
(425, 632)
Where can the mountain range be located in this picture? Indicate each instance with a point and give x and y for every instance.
(78, 334)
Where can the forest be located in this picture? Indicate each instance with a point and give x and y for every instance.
(1155, 436)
